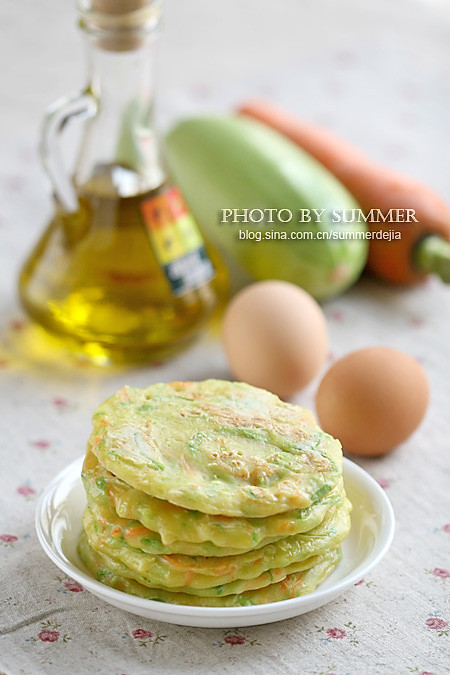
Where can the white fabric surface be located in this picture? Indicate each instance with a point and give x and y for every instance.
(375, 71)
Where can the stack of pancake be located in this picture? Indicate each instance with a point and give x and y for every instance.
(211, 493)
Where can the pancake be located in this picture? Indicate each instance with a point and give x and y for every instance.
(222, 448)
(136, 535)
(294, 585)
(211, 493)
(231, 588)
(171, 571)
(221, 535)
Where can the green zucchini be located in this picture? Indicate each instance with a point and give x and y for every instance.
(226, 162)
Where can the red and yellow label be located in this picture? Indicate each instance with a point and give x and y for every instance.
(177, 241)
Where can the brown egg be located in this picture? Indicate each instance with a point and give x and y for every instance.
(372, 399)
(275, 337)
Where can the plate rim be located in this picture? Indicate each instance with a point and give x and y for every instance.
(281, 606)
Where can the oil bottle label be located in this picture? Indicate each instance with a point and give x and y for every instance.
(177, 241)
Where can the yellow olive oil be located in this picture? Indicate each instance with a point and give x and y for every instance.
(123, 278)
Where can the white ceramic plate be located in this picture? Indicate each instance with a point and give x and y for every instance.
(58, 525)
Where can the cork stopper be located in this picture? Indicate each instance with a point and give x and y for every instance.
(120, 25)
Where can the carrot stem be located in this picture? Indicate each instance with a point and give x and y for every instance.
(432, 254)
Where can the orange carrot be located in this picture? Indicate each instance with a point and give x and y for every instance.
(284, 527)
(136, 531)
(188, 578)
(424, 247)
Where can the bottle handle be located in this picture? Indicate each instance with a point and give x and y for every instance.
(82, 105)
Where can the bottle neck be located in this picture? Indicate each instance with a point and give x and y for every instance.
(120, 151)
(116, 77)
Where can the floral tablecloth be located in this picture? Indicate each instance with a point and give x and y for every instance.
(374, 71)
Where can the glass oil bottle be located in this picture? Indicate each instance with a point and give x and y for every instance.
(122, 272)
